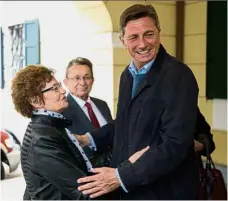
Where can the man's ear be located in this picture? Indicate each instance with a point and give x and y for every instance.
(65, 82)
(93, 80)
(36, 102)
(123, 42)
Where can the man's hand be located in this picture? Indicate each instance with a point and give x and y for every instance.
(138, 154)
(103, 182)
(198, 146)
(83, 140)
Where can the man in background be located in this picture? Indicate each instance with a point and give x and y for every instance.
(86, 113)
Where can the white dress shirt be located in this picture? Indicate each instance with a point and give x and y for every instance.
(96, 111)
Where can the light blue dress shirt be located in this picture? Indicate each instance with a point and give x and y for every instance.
(133, 70)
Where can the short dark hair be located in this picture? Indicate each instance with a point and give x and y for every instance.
(135, 12)
(27, 84)
(80, 61)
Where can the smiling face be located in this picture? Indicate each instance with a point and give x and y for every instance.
(142, 40)
(79, 81)
(54, 97)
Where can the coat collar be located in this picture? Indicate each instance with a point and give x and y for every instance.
(154, 72)
(61, 124)
(149, 80)
(51, 121)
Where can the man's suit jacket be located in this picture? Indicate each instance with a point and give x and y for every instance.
(81, 124)
(162, 115)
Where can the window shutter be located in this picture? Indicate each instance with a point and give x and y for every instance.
(216, 68)
(32, 42)
(1, 60)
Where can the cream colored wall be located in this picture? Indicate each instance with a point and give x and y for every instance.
(220, 154)
(195, 57)
(96, 34)
(195, 49)
(166, 12)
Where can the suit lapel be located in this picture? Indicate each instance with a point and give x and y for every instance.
(126, 88)
(100, 107)
(79, 113)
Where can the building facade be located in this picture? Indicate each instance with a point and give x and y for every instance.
(52, 33)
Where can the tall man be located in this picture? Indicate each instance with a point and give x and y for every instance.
(157, 107)
(85, 112)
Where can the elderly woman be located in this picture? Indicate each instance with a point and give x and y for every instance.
(51, 159)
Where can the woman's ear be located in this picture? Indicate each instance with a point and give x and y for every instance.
(36, 102)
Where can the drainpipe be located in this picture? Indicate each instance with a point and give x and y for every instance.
(180, 30)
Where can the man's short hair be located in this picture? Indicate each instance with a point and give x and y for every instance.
(135, 12)
(80, 61)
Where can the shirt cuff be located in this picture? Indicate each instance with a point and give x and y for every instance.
(93, 145)
(121, 183)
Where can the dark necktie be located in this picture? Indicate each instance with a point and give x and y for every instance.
(92, 116)
(136, 82)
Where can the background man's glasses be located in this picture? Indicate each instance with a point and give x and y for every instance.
(77, 79)
(53, 88)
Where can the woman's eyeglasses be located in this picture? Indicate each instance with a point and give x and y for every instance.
(53, 88)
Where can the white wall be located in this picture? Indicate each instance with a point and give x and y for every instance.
(220, 114)
(65, 34)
